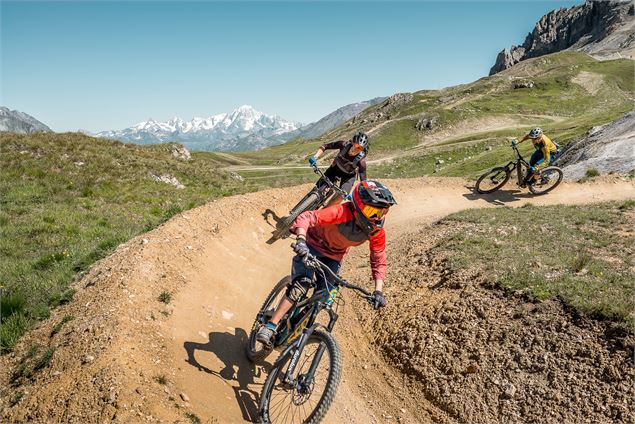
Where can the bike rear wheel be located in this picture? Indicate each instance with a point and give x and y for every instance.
(492, 180)
(255, 350)
(308, 399)
(550, 178)
(310, 202)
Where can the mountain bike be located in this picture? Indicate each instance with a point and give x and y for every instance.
(319, 196)
(302, 382)
(550, 176)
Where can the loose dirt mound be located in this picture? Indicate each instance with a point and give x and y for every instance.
(482, 354)
(126, 356)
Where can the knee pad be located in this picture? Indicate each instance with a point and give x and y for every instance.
(298, 289)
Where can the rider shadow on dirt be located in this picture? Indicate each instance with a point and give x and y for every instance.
(500, 197)
(276, 219)
(277, 222)
(229, 349)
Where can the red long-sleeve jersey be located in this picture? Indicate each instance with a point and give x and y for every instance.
(333, 231)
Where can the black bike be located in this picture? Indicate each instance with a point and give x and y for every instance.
(493, 180)
(319, 196)
(302, 382)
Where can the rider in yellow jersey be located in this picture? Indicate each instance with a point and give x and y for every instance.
(543, 156)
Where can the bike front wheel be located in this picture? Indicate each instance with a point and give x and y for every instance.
(307, 398)
(550, 178)
(492, 180)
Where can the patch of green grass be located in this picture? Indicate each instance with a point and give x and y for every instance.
(592, 172)
(161, 379)
(11, 304)
(281, 176)
(16, 398)
(580, 261)
(56, 329)
(11, 329)
(627, 205)
(568, 252)
(165, 297)
(44, 360)
(33, 360)
(62, 298)
(396, 136)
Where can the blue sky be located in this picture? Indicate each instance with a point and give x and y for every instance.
(106, 65)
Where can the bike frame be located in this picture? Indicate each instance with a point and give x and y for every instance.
(307, 325)
(515, 164)
(325, 194)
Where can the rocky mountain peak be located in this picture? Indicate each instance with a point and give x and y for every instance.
(604, 29)
(19, 122)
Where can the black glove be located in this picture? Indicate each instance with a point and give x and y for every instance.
(378, 300)
(300, 248)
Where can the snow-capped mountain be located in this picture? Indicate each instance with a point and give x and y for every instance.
(243, 129)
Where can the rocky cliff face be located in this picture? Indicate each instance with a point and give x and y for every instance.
(608, 148)
(602, 28)
(19, 122)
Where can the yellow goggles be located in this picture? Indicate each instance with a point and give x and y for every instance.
(373, 212)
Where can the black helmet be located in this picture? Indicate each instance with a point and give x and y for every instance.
(371, 201)
(361, 139)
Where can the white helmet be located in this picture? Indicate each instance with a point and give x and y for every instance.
(535, 133)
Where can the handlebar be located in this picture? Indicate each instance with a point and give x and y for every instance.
(328, 182)
(313, 262)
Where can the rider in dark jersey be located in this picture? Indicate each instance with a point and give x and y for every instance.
(349, 162)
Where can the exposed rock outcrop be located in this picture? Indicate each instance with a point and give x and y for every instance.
(426, 122)
(609, 148)
(180, 152)
(395, 101)
(601, 28)
(523, 84)
(168, 179)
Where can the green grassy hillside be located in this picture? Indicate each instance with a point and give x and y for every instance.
(583, 256)
(67, 200)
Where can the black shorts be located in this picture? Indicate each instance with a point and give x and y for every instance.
(346, 180)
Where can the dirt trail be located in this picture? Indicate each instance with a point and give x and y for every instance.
(129, 357)
(216, 306)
